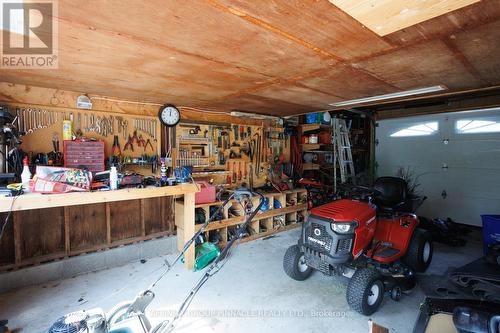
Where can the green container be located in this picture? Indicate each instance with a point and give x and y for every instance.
(205, 253)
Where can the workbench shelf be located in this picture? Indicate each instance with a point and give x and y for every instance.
(286, 210)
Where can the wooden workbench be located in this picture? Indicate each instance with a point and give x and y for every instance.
(45, 227)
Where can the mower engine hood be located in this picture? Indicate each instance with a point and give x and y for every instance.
(345, 211)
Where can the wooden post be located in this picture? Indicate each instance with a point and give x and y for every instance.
(143, 222)
(108, 223)
(184, 219)
(16, 224)
(67, 245)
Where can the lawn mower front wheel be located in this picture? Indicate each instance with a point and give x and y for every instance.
(365, 291)
(294, 264)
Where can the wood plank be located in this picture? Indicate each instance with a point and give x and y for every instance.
(447, 25)
(87, 225)
(67, 242)
(142, 218)
(18, 251)
(184, 219)
(36, 200)
(424, 65)
(310, 166)
(321, 26)
(63, 254)
(125, 219)
(41, 232)
(387, 16)
(240, 219)
(7, 248)
(153, 212)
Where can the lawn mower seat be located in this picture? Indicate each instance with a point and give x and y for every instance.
(392, 193)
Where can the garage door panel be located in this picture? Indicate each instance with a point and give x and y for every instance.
(467, 182)
(477, 154)
(396, 152)
(466, 168)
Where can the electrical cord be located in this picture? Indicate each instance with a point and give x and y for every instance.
(4, 225)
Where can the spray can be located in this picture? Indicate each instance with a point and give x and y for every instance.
(113, 178)
(67, 130)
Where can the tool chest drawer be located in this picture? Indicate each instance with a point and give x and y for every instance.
(84, 155)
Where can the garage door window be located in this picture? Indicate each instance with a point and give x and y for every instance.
(423, 129)
(469, 126)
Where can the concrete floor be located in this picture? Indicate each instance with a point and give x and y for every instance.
(250, 294)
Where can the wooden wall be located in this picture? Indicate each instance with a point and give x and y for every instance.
(36, 236)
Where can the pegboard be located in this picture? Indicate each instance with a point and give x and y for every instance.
(40, 140)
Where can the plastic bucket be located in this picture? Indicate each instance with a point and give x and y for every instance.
(491, 230)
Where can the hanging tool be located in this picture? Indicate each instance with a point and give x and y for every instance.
(251, 178)
(148, 143)
(129, 144)
(234, 172)
(245, 171)
(239, 170)
(235, 132)
(228, 174)
(242, 132)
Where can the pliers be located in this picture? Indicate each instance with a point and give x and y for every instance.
(148, 142)
(129, 144)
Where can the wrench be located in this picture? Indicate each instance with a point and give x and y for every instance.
(44, 113)
(91, 128)
(30, 115)
(24, 120)
(40, 118)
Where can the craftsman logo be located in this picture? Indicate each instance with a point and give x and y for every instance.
(29, 34)
(317, 232)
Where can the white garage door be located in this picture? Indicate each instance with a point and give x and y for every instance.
(456, 157)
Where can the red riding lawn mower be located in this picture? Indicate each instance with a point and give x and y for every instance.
(371, 238)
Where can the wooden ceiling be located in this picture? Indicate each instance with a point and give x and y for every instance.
(277, 57)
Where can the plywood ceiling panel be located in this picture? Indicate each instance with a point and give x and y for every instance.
(299, 94)
(195, 29)
(277, 57)
(467, 18)
(481, 46)
(347, 83)
(387, 16)
(423, 65)
(317, 22)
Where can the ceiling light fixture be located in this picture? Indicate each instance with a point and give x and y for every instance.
(406, 93)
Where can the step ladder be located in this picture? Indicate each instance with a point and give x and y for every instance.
(343, 153)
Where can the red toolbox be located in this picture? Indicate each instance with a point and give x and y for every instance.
(87, 155)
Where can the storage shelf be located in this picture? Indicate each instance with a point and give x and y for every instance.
(310, 146)
(263, 223)
(310, 166)
(260, 216)
(314, 127)
(316, 147)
